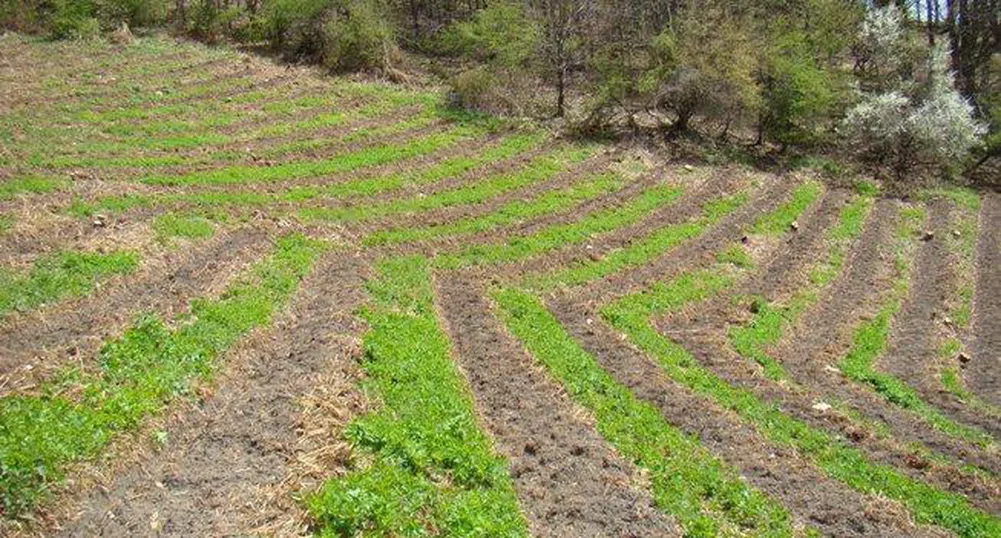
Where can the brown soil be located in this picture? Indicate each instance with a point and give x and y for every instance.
(919, 326)
(823, 335)
(688, 254)
(983, 375)
(458, 212)
(811, 497)
(569, 481)
(228, 468)
(36, 343)
(702, 330)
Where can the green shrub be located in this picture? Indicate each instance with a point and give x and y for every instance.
(291, 26)
(500, 34)
(342, 35)
(20, 16)
(358, 35)
(797, 90)
(137, 13)
(502, 39)
(73, 20)
(474, 89)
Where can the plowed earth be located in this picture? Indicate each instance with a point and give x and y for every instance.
(243, 299)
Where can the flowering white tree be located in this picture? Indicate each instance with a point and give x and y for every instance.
(921, 120)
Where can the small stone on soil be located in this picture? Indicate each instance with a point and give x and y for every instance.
(928, 235)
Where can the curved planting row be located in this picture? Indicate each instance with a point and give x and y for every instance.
(239, 299)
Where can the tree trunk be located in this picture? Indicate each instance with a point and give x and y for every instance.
(560, 92)
(414, 20)
(930, 11)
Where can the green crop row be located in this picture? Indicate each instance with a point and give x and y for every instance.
(75, 414)
(428, 467)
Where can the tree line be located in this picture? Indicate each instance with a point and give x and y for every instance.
(900, 84)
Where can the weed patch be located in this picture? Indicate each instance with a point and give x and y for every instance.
(170, 225)
(59, 276)
(77, 413)
(432, 469)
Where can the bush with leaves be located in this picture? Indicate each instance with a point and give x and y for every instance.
(887, 55)
(798, 91)
(357, 35)
(918, 121)
(342, 35)
(707, 68)
(136, 13)
(502, 39)
(71, 19)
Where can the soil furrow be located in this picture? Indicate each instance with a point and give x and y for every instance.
(36, 343)
(231, 467)
(918, 327)
(571, 483)
(686, 255)
(702, 330)
(818, 501)
(688, 206)
(812, 346)
(983, 374)
(444, 215)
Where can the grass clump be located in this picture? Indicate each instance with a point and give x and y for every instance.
(706, 496)
(560, 235)
(766, 328)
(641, 251)
(631, 316)
(952, 381)
(430, 468)
(73, 416)
(171, 225)
(59, 276)
(28, 185)
(778, 222)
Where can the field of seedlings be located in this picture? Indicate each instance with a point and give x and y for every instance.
(239, 298)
